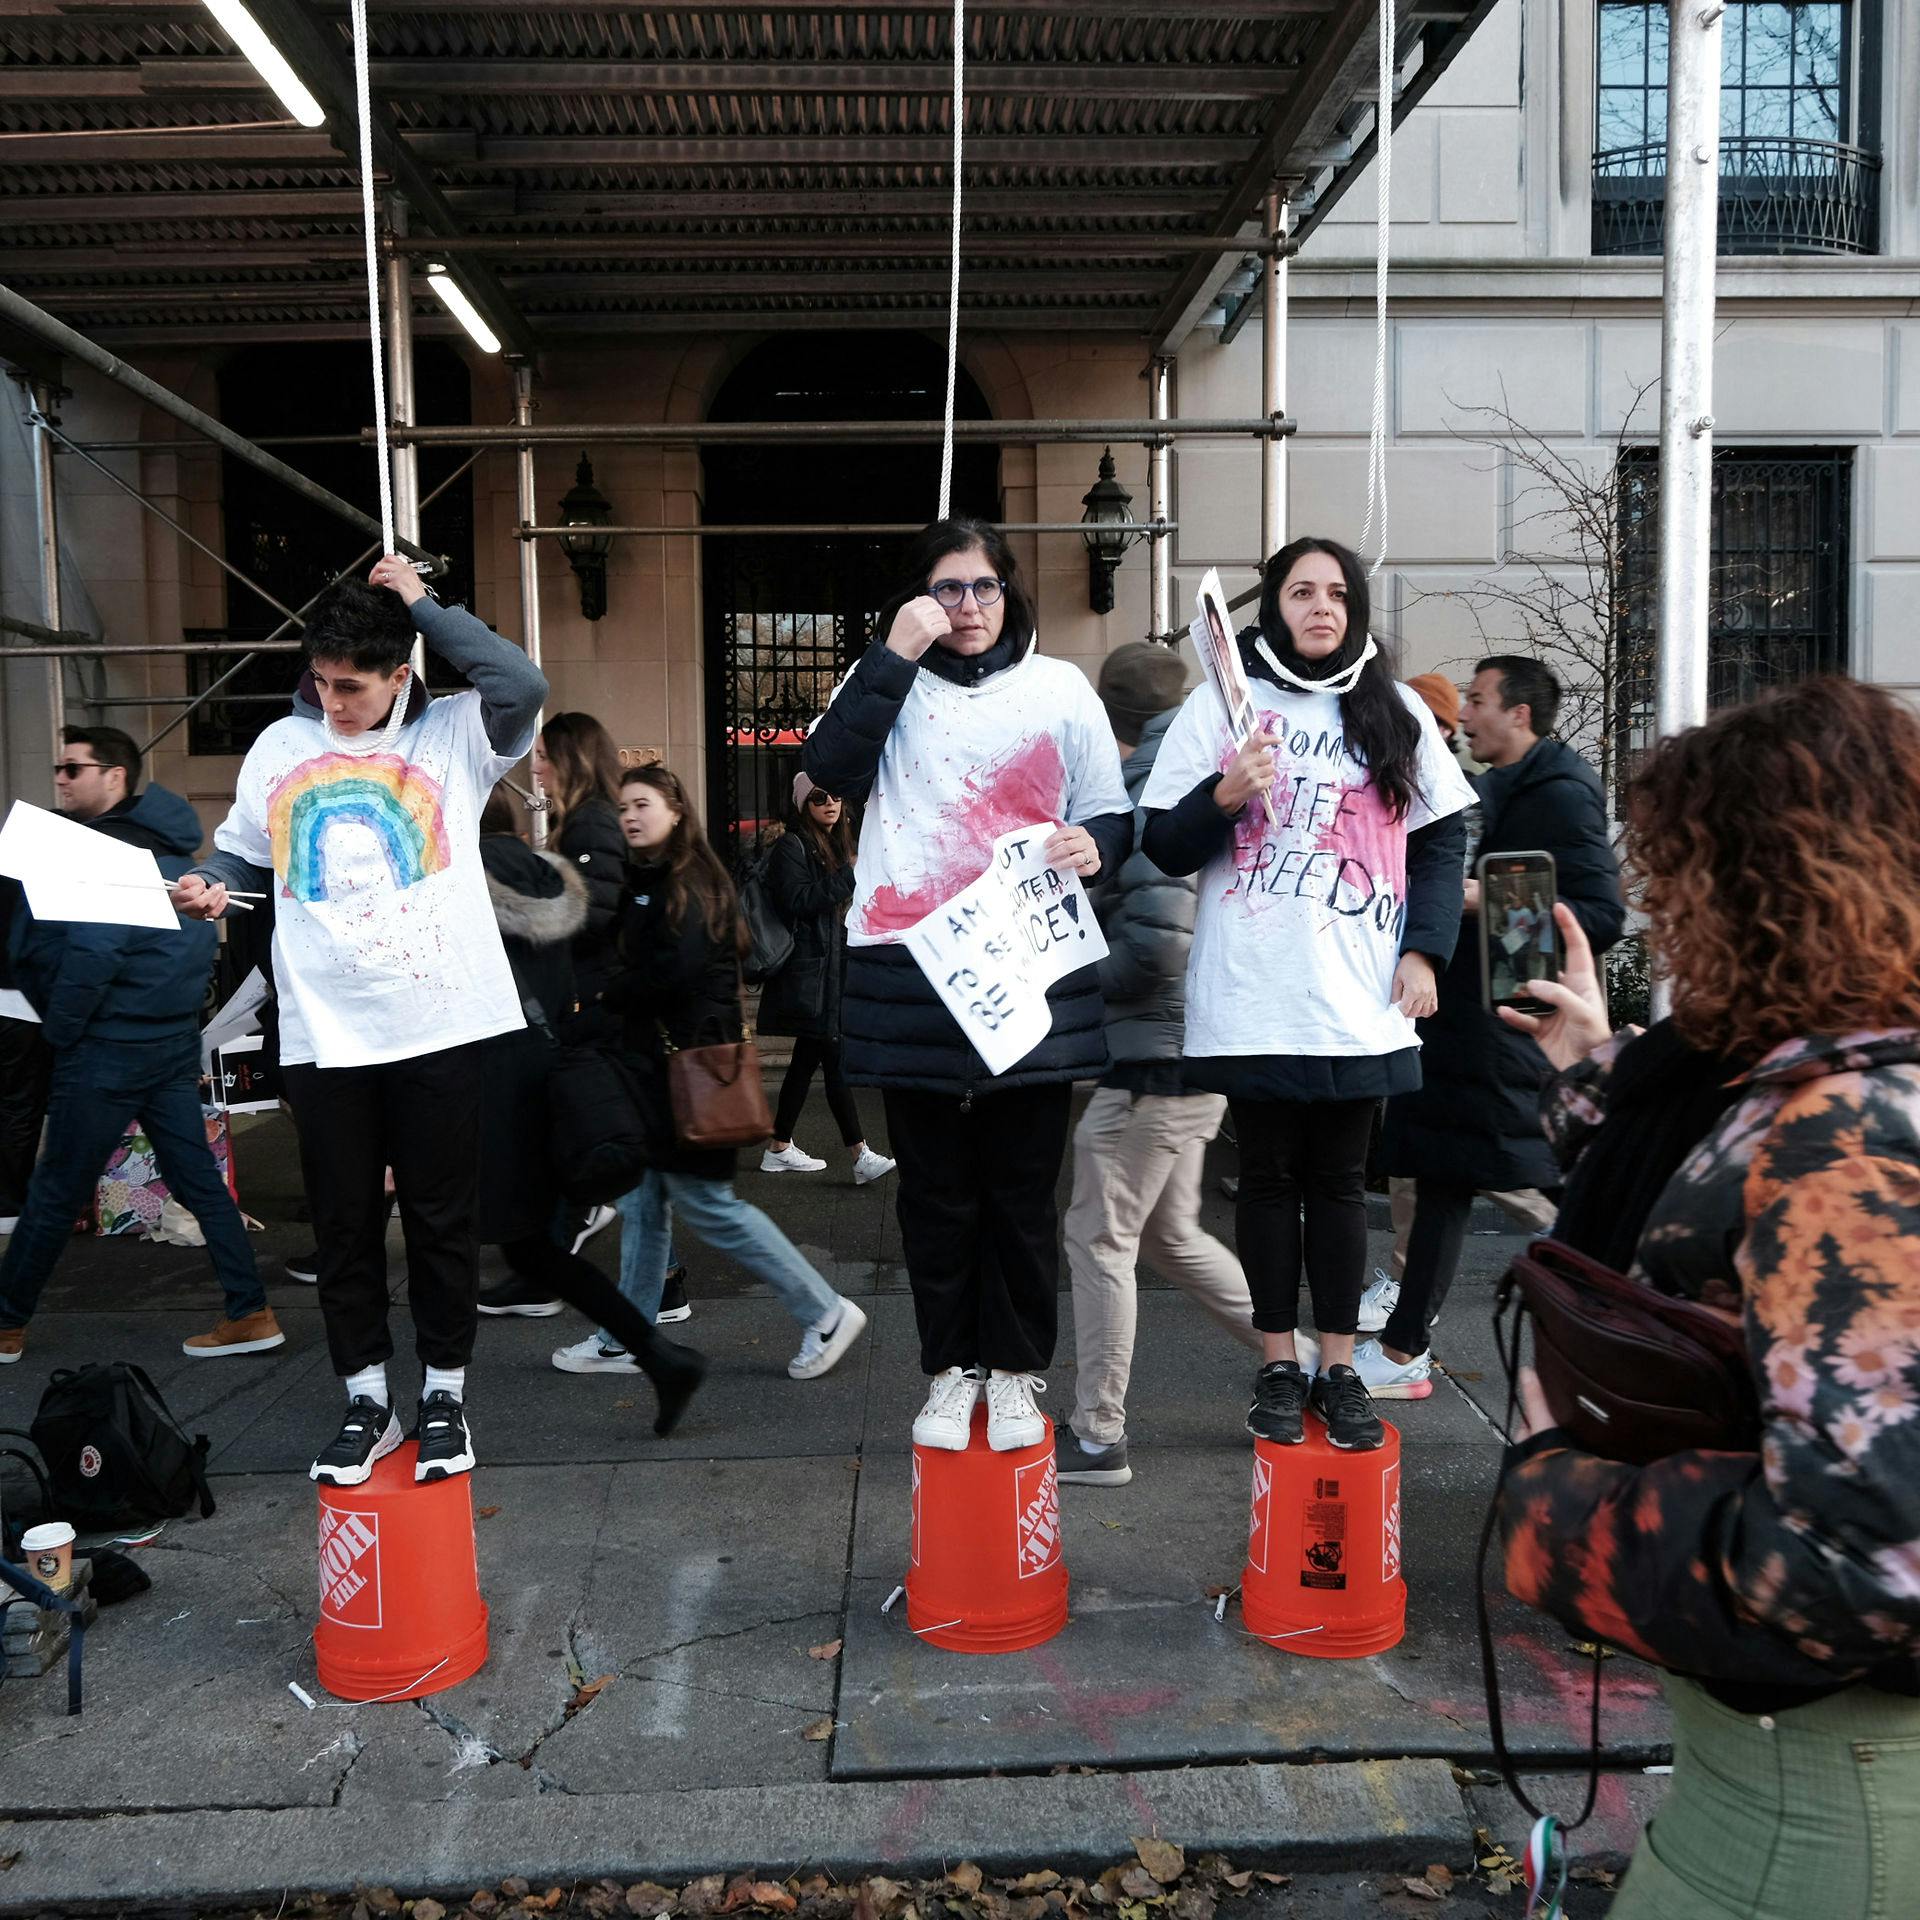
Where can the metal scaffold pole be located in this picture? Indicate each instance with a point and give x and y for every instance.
(1273, 380)
(1159, 466)
(47, 516)
(529, 566)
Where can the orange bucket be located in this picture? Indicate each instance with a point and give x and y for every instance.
(1323, 1548)
(400, 1607)
(986, 1571)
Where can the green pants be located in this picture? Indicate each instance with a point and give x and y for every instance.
(1813, 1812)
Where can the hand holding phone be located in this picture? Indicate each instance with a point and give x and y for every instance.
(1519, 944)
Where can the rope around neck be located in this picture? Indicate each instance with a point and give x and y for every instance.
(953, 290)
(363, 746)
(363, 105)
(1383, 154)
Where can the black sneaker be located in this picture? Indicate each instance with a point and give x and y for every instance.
(369, 1433)
(446, 1447)
(519, 1298)
(1341, 1399)
(673, 1299)
(305, 1267)
(675, 1371)
(1072, 1461)
(1279, 1403)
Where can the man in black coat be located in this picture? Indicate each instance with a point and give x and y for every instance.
(1474, 1126)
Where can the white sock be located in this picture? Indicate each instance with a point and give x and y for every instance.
(1093, 1449)
(451, 1380)
(370, 1382)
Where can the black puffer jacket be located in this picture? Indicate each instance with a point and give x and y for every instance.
(1475, 1121)
(803, 998)
(590, 840)
(896, 1031)
(673, 975)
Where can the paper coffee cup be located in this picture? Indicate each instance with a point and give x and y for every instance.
(48, 1552)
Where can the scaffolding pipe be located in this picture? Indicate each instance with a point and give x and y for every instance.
(1150, 529)
(1686, 362)
(1273, 377)
(529, 571)
(47, 517)
(400, 391)
(707, 433)
(52, 636)
(57, 334)
(1159, 488)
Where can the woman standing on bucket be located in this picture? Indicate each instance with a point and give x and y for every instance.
(955, 730)
(1329, 848)
(678, 985)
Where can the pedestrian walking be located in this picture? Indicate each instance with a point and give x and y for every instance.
(1473, 1124)
(1140, 1148)
(810, 875)
(1329, 849)
(954, 729)
(1758, 1153)
(120, 1013)
(678, 985)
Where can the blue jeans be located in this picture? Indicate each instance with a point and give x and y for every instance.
(98, 1086)
(713, 1212)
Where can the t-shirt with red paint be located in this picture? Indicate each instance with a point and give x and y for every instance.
(964, 765)
(1299, 918)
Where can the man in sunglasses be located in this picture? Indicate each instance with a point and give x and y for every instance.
(120, 1014)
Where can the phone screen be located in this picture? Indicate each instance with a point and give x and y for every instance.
(1519, 943)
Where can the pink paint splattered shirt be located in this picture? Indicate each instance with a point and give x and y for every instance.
(963, 766)
(1298, 926)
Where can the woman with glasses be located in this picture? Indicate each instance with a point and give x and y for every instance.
(810, 874)
(954, 729)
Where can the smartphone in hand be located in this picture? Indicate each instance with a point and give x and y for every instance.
(1518, 941)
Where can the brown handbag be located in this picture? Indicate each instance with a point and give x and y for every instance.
(718, 1097)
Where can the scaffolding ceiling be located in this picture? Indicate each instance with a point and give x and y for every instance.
(614, 169)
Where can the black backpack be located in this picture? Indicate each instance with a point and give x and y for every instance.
(770, 939)
(115, 1455)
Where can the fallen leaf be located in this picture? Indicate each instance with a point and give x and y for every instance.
(765, 1894)
(586, 1694)
(1586, 1876)
(382, 1899)
(1422, 1889)
(819, 1730)
(1161, 1858)
(484, 1901)
(1138, 1884)
(966, 1876)
(514, 1888)
(429, 1910)
(623, 1406)
(8, 1861)
(1044, 1881)
(1275, 1879)
(826, 1650)
(1239, 1882)
(648, 1900)
(1441, 1877)
(555, 1896)
(1194, 1903)
(485, 1513)
(703, 1895)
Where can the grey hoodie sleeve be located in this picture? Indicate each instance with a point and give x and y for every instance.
(510, 686)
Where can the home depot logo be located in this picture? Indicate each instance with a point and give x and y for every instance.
(1390, 1499)
(1036, 1494)
(350, 1567)
(913, 1550)
(1259, 1521)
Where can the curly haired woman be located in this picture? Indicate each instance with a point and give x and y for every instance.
(1760, 1153)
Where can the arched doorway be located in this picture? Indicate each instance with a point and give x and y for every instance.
(787, 614)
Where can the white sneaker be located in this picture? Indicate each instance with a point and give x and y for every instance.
(1386, 1379)
(871, 1166)
(947, 1418)
(1379, 1300)
(1012, 1418)
(790, 1160)
(822, 1347)
(589, 1356)
(598, 1218)
(9, 1221)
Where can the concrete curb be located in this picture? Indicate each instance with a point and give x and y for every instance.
(1378, 1813)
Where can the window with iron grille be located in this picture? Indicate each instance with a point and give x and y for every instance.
(1777, 581)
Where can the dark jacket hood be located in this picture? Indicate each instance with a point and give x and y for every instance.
(306, 698)
(537, 897)
(1139, 763)
(156, 819)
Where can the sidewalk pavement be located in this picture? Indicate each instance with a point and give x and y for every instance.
(709, 1575)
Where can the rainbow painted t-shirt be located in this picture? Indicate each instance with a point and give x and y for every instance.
(385, 944)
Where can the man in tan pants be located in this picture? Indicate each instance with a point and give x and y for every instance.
(1138, 1150)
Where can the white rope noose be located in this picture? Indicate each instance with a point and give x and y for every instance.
(953, 289)
(1377, 430)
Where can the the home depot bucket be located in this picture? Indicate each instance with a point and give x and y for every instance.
(1323, 1548)
(986, 1570)
(400, 1607)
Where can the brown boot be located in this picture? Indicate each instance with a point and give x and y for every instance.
(13, 1341)
(254, 1334)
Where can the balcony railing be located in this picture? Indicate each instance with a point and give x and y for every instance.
(1776, 196)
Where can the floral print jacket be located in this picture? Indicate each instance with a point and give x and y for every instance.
(1798, 1565)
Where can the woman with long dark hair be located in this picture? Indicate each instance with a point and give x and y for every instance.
(680, 943)
(578, 767)
(955, 729)
(1758, 1153)
(810, 875)
(1330, 848)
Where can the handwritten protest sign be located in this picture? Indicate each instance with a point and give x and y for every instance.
(994, 949)
(71, 872)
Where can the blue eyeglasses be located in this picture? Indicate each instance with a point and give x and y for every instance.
(950, 593)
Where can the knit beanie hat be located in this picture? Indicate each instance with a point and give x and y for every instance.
(1441, 696)
(1136, 682)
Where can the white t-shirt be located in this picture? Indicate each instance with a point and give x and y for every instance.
(384, 945)
(1298, 926)
(964, 765)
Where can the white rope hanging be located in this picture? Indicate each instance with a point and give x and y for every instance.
(363, 105)
(1377, 430)
(953, 289)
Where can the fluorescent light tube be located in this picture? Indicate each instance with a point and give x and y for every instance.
(453, 297)
(268, 61)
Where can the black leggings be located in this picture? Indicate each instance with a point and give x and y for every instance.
(581, 1284)
(1308, 1158)
(1440, 1215)
(822, 1057)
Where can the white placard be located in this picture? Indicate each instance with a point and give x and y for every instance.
(994, 949)
(240, 1016)
(16, 1006)
(72, 873)
(1213, 641)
